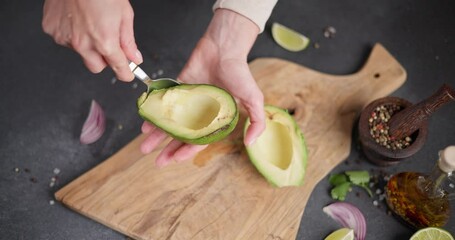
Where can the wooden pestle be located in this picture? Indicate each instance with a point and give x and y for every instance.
(408, 120)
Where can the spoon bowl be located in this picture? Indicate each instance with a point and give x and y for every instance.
(152, 84)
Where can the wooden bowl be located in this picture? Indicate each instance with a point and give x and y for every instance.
(381, 155)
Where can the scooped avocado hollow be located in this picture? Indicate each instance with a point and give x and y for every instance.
(191, 113)
(280, 152)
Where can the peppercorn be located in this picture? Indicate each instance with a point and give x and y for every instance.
(379, 128)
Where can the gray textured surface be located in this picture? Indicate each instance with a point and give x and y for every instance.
(45, 92)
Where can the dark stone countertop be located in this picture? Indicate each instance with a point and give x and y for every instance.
(45, 93)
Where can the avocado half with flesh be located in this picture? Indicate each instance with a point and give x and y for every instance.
(279, 153)
(191, 113)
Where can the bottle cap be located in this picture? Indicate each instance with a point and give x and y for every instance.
(447, 159)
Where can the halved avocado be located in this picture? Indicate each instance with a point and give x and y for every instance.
(280, 153)
(191, 113)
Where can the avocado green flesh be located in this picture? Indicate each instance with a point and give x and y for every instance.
(280, 153)
(198, 114)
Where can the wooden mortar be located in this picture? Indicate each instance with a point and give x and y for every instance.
(381, 155)
(411, 120)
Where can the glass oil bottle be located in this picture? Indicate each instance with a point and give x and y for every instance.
(423, 200)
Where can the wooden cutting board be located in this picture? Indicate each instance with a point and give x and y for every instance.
(219, 194)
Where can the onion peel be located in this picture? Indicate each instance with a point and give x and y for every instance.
(348, 216)
(94, 125)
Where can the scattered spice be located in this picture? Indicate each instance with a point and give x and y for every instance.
(377, 184)
(33, 180)
(120, 127)
(160, 72)
(56, 171)
(154, 75)
(17, 170)
(26, 170)
(134, 86)
(51, 202)
(316, 45)
(54, 179)
(379, 128)
(387, 178)
(329, 32)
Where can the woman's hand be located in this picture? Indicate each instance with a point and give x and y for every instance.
(101, 31)
(220, 58)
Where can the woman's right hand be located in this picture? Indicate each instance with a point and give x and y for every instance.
(101, 31)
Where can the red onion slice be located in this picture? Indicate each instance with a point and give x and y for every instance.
(94, 125)
(348, 216)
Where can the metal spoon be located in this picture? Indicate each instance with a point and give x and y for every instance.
(152, 84)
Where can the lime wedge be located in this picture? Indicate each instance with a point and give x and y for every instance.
(432, 233)
(341, 234)
(288, 38)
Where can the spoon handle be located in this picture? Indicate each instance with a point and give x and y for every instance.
(139, 73)
(408, 120)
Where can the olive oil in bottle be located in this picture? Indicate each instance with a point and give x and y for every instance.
(421, 199)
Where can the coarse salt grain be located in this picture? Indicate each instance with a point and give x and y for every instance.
(329, 32)
(56, 171)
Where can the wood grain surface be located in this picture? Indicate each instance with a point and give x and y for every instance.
(219, 194)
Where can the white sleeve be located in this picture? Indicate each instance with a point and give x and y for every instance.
(257, 11)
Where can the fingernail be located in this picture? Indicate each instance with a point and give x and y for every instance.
(145, 149)
(139, 56)
(250, 141)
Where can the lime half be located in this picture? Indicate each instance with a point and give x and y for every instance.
(341, 234)
(288, 38)
(432, 233)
